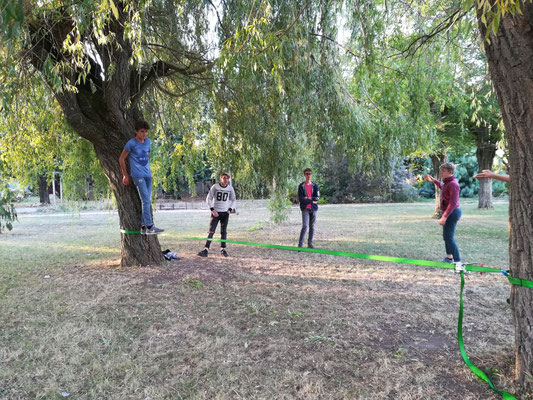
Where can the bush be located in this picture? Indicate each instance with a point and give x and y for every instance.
(467, 192)
(402, 189)
(279, 206)
(427, 190)
(499, 188)
(8, 213)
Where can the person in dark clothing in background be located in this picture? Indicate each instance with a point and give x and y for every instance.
(308, 195)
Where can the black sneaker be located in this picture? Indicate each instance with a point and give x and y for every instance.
(154, 230)
(203, 253)
(143, 230)
(224, 253)
(310, 246)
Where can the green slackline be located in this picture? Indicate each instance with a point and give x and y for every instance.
(462, 268)
(518, 281)
(474, 268)
(425, 263)
(473, 368)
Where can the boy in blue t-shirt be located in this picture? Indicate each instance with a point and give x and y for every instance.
(138, 151)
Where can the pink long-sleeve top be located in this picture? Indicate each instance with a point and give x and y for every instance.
(449, 198)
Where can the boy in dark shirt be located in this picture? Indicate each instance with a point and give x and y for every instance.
(308, 195)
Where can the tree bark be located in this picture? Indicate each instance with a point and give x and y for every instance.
(485, 156)
(44, 197)
(437, 160)
(510, 57)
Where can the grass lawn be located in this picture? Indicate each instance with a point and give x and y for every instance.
(261, 324)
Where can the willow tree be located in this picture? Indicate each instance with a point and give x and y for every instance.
(97, 60)
(407, 84)
(282, 99)
(30, 140)
(268, 75)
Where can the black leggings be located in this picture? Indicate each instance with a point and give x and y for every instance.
(223, 217)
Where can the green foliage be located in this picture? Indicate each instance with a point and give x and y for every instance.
(36, 141)
(83, 178)
(8, 213)
(31, 135)
(279, 206)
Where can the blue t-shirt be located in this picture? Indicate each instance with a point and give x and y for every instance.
(139, 158)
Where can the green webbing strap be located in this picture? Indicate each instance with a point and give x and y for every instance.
(518, 281)
(467, 361)
(130, 232)
(425, 263)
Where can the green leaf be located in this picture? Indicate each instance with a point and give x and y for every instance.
(495, 23)
(113, 8)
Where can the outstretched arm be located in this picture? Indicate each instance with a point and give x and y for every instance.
(487, 173)
(429, 178)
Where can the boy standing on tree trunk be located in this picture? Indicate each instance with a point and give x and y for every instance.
(221, 201)
(449, 204)
(138, 151)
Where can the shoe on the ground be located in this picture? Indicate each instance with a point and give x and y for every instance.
(310, 246)
(143, 230)
(154, 230)
(203, 253)
(224, 253)
(447, 260)
(170, 255)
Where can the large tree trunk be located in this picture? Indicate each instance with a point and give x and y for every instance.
(437, 160)
(510, 59)
(136, 249)
(44, 196)
(485, 156)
